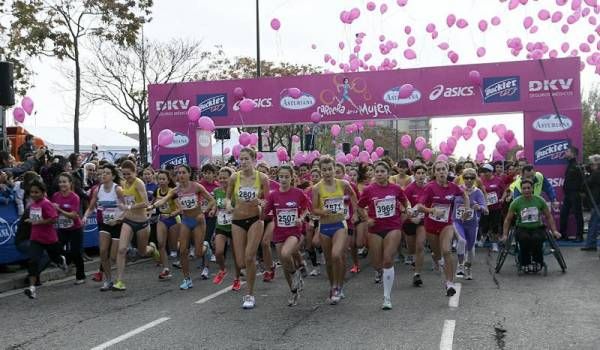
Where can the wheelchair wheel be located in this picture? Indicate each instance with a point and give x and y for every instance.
(555, 250)
(504, 252)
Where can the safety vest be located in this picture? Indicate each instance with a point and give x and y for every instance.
(538, 183)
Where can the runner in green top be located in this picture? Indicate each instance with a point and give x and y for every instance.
(223, 228)
(530, 231)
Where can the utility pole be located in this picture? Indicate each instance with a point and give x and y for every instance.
(260, 141)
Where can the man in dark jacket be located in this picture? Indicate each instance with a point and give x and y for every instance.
(572, 189)
(26, 148)
(593, 181)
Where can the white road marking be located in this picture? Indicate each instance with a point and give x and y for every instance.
(453, 301)
(447, 335)
(216, 294)
(131, 334)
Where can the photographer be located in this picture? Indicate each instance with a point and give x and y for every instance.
(593, 180)
(572, 188)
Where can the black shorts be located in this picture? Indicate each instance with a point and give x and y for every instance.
(135, 225)
(218, 231)
(350, 232)
(381, 234)
(245, 223)
(410, 228)
(113, 231)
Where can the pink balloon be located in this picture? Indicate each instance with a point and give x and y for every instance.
(193, 114)
(245, 139)
(379, 151)
(457, 131)
(19, 115)
(475, 78)
(340, 158)
(479, 157)
(355, 150)
(496, 20)
(238, 92)
(247, 105)
(369, 144)
(294, 93)
(496, 156)
(443, 46)
(427, 154)
(450, 20)
(363, 157)
(358, 141)
(443, 147)
(383, 8)
(275, 24)
(512, 144)
(253, 139)
(299, 158)
(500, 130)
(295, 138)
(354, 13)
(206, 123)
(335, 130)
(410, 54)
(527, 22)
(405, 141)
(410, 41)
(442, 158)
(406, 91)
(502, 147)
(282, 154)
(467, 132)
(420, 143)
(520, 155)
(480, 148)
(481, 52)
(371, 6)
(451, 142)
(564, 47)
(371, 123)
(509, 136)
(315, 117)
(471, 122)
(349, 158)
(462, 23)
(430, 28)
(341, 45)
(556, 16)
(27, 104)
(401, 3)
(374, 156)
(165, 136)
(407, 30)
(483, 25)
(236, 151)
(482, 134)
(226, 151)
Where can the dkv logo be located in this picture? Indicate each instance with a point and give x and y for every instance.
(552, 123)
(303, 102)
(179, 140)
(172, 105)
(392, 96)
(450, 92)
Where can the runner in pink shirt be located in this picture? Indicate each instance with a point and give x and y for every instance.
(384, 202)
(288, 205)
(413, 228)
(437, 202)
(495, 187)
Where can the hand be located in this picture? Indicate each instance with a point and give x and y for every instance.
(370, 222)
(212, 212)
(123, 207)
(556, 234)
(55, 205)
(503, 238)
(28, 221)
(150, 207)
(465, 215)
(486, 211)
(476, 207)
(83, 219)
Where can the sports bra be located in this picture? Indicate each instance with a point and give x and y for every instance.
(332, 201)
(167, 208)
(131, 194)
(247, 193)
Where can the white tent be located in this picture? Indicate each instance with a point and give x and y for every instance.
(60, 140)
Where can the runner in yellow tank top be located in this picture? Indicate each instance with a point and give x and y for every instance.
(328, 204)
(245, 197)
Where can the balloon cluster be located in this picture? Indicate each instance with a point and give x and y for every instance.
(26, 108)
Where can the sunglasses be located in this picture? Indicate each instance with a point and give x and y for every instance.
(469, 177)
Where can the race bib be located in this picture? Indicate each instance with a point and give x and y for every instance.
(461, 210)
(223, 217)
(287, 217)
(492, 198)
(415, 214)
(35, 214)
(164, 209)
(530, 215)
(204, 205)
(335, 205)
(188, 202)
(346, 212)
(247, 194)
(64, 222)
(129, 200)
(385, 208)
(109, 214)
(442, 213)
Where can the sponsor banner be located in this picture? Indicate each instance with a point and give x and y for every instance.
(173, 159)
(501, 89)
(180, 140)
(552, 123)
(548, 152)
(212, 105)
(560, 87)
(441, 92)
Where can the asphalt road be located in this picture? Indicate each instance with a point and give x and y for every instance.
(503, 311)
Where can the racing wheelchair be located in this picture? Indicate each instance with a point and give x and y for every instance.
(511, 246)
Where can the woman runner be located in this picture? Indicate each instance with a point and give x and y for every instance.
(385, 202)
(288, 204)
(414, 231)
(245, 194)
(328, 203)
(168, 220)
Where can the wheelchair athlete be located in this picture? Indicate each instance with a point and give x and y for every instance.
(530, 230)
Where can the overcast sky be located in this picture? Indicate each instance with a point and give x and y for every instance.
(231, 23)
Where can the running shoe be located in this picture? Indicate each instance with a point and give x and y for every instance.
(355, 268)
(192, 252)
(450, 289)
(315, 271)
(335, 296)
(409, 260)
(155, 253)
(468, 275)
(79, 282)
(248, 302)
(296, 281)
(186, 284)
(293, 299)
(363, 252)
(173, 254)
(165, 275)
(460, 271)
(378, 276)
(387, 304)
(176, 264)
(119, 286)
(205, 273)
(219, 277)
(237, 285)
(495, 247)
(30, 292)
(106, 286)
(303, 271)
(268, 276)
(63, 264)
(417, 281)
(342, 295)
(213, 258)
(97, 276)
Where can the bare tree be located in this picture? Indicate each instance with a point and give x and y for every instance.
(120, 76)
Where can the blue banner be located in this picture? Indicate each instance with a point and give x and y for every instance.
(9, 220)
